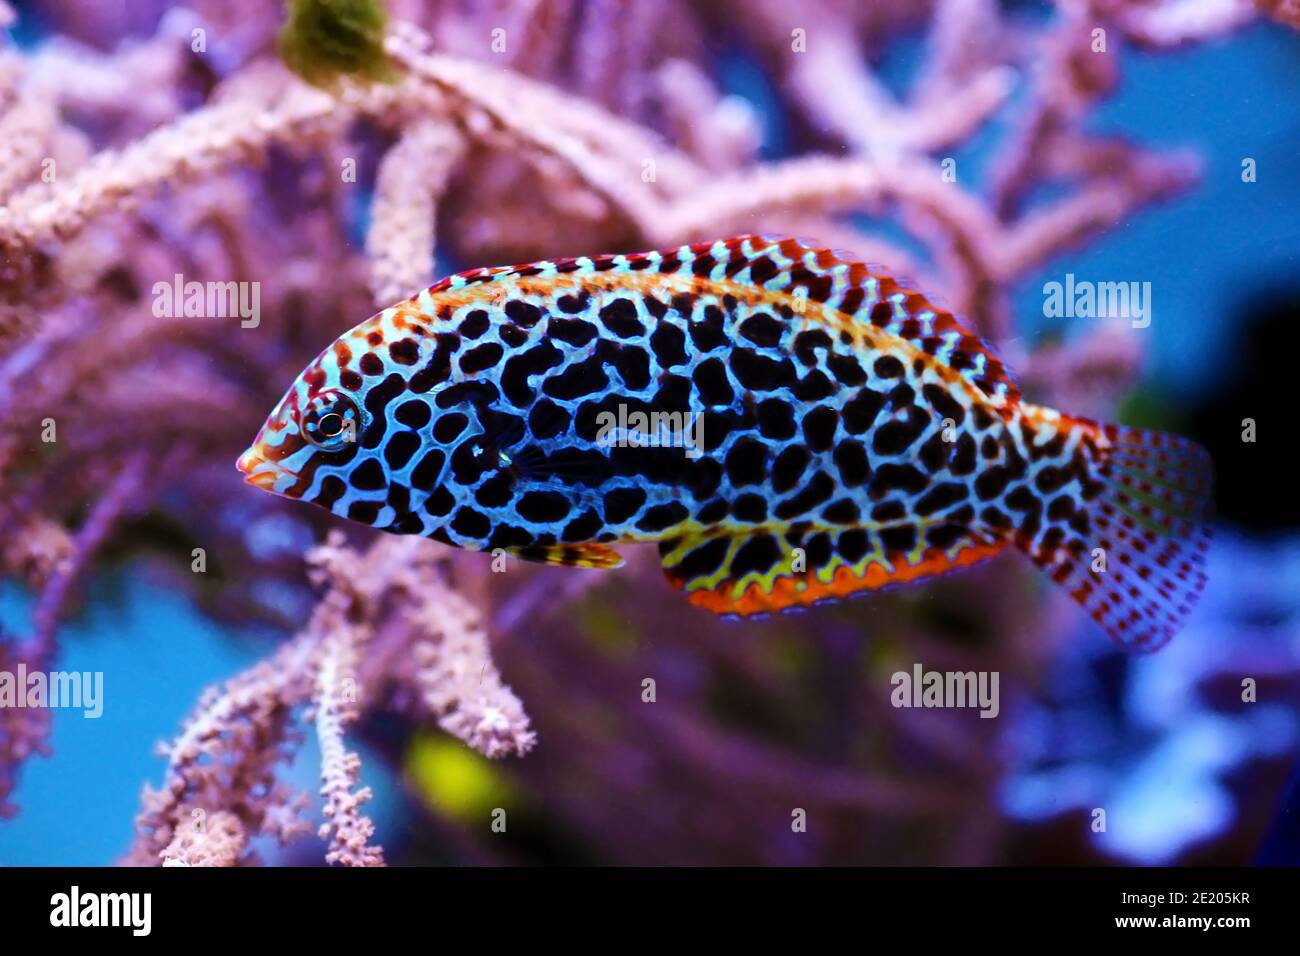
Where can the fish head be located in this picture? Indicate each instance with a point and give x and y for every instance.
(371, 433)
(314, 433)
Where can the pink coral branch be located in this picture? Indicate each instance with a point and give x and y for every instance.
(410, 182)
(123, 493)
(346, 828)
(227, 755)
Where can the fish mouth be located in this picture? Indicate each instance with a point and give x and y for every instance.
(258, 470)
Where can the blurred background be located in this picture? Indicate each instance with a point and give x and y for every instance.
(1126, 163)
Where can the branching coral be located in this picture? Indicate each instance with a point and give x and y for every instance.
(380, 609)
(492, 143)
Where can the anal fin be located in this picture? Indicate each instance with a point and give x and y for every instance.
(771, 571)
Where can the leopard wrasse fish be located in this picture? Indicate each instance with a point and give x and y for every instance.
(851, 436)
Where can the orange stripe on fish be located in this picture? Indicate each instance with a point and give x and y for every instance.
(792, 590)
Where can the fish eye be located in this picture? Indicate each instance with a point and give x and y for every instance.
(330, 420)
(330, 424)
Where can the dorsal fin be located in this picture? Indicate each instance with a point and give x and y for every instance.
(867, 294)
(790, 269)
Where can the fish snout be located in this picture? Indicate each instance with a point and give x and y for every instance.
(257, 469)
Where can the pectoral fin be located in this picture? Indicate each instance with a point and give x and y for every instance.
(589, 555)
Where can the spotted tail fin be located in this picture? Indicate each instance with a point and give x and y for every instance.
(1131, 546)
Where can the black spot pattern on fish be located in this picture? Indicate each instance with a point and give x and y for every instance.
(501, 411)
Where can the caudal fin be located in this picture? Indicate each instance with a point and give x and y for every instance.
(1132, 550)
